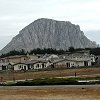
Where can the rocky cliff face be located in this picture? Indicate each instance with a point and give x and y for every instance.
(48, 33)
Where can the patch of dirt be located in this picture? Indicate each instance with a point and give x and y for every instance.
(6, 76)
(51, 94)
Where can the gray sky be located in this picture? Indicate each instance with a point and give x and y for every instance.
(16, 14)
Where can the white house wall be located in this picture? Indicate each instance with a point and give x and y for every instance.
(89, 63)
(39, 65)
(0, 67)
(48, 64)
(81, 63)
(20, 67)
(92, 59)
(72, 64)
(64, 64)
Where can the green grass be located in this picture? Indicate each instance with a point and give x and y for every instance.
(86, 78)
(53, 81)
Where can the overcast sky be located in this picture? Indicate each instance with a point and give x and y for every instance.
(16, 14)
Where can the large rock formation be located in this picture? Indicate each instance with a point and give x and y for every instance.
(48, 33)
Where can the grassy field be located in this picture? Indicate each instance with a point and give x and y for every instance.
(90, 72)
(51, 94)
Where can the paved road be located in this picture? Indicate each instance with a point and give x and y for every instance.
(49, 87)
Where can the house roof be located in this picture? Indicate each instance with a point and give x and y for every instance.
(35, 61)
(61, 60)
(78, 55)
(4, 64)
(49, 56)
(19, 63)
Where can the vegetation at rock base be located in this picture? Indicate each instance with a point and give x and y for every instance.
(95, 51)
(13, 53)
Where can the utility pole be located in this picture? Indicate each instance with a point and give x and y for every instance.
(75, 74)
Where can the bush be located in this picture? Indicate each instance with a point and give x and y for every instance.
(53, 81)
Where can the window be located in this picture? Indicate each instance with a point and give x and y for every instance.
(24, 67)
(37, 65)
(19, 66)
(42, 65)
(3, 67)
(68, 64)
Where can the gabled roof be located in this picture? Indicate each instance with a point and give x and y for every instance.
(35, 61)
(49, 56)
(61, 60)
(4, 64)
(19, 63)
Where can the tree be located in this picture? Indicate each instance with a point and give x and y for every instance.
(13, 53)
(71, 49)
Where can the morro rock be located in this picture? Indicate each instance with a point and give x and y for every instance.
(48, 33)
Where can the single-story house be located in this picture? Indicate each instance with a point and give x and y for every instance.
(66, 63)
(97, 60)
(20, 66)
(3, 66)
(14, 59)
(37, 64)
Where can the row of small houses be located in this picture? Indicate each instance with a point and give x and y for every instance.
(40, 64)
(35, 62)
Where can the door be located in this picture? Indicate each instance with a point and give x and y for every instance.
(85, 63)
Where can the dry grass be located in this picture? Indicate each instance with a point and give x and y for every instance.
(49, 74)
(51, 94)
